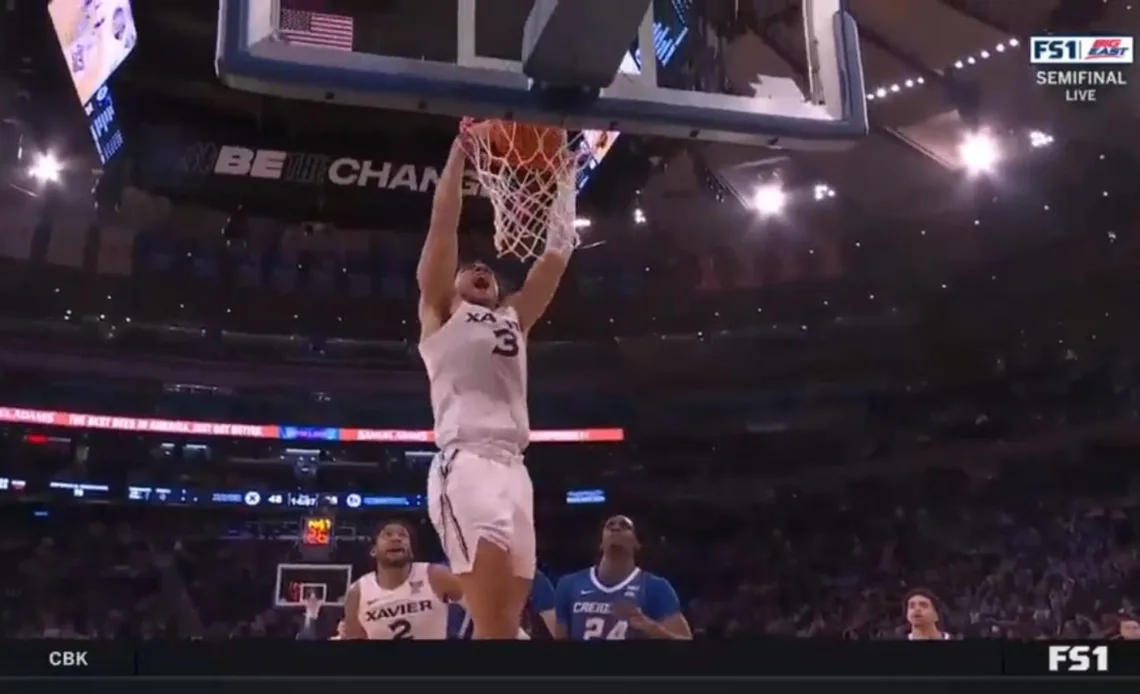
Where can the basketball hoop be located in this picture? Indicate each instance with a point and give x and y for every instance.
(530, 172)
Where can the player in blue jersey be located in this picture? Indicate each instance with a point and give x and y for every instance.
(616, 600)
(539, 612)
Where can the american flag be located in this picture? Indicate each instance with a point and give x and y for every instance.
(319, 29)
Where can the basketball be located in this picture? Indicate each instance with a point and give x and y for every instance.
(527, 146)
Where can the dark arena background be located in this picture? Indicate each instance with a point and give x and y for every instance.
(819, 383)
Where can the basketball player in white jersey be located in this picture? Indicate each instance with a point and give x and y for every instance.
(922, 615)
(473, 343)
(402, 599)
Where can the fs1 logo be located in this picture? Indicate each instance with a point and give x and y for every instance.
(1078, 658)
(1080, 50)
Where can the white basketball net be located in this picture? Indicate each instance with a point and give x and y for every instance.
(534, 197)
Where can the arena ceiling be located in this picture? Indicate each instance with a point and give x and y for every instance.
(935, 70)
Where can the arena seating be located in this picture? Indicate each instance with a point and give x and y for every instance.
(1028, 548)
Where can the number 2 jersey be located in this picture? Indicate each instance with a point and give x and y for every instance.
(585, 606)
(476, 364)
(411, 611)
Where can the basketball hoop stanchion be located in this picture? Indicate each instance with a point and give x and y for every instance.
(530, 173)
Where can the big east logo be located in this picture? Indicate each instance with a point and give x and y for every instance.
(1108, 48)
(1080, 50)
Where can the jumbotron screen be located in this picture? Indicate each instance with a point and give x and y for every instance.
(96, 36)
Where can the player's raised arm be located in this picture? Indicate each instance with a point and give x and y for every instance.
(439, 258)
(538, 290)
(563, 602)
(353, 629)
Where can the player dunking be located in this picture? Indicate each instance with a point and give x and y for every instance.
(473, 343)
(615, 600)
(921, 607)
(402, 599)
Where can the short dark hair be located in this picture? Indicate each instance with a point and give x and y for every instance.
(402, 522)
(921, 592)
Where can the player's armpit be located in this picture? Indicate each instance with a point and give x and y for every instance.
(439, 258)
(353, 630)
(444, 583)
(538, 290)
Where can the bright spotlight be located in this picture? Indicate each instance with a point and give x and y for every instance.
(638, 216)
(582, 223)
(46, 169)
(979, 153)
(1038, 139)
(769, 199)
(822, 191)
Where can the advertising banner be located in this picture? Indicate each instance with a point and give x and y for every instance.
(365, 186)
(285, 432)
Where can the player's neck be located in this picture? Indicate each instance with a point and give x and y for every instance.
(928, 632)
(392, 577)
(615, 569)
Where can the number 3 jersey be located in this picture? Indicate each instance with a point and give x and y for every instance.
(411, 611)
(476, 363)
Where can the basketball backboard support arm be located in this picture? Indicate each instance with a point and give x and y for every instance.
(251, 55)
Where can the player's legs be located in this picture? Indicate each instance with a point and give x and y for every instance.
(486, 591)
(524, 545)
(471, 506)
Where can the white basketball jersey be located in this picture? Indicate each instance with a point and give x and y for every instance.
(943, 636)
(412, 611)
(476, 363)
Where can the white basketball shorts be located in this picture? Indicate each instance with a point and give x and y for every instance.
(472, 498)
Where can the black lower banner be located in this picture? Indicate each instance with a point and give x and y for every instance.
(759, 658)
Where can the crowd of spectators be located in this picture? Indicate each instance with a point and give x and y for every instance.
(1023, 550)
(999, 496)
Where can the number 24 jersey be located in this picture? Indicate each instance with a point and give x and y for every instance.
(585, 606)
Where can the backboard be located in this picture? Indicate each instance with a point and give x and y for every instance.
(463, 58)
(295, 583)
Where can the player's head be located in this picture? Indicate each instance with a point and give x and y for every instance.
(1129, 628)
(476, 283)
(392, 545)
(618, 536)
(921, 607)
(340, 629)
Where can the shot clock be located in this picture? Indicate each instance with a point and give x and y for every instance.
(318, 537)
(314, 578)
